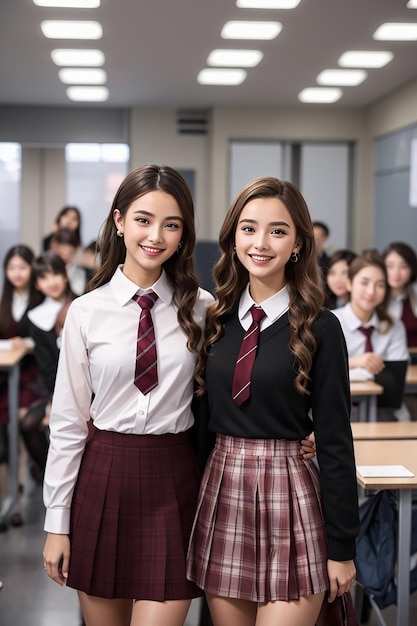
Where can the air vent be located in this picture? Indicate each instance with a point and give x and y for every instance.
(192, 122)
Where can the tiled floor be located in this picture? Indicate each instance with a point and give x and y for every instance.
(30, 598)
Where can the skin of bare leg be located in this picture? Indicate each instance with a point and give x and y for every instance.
(169, 613)
(302, 612)
(228, 611)
(105, 612)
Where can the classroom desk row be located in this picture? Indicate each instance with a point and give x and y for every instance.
(392, 443)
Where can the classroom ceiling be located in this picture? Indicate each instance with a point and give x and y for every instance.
(154, 50)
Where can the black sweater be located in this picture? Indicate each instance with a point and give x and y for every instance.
(276, 410)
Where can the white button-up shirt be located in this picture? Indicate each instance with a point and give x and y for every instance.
(97, 360)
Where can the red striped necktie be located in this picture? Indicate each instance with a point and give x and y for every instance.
(146, 372)
(367, 332)
(246, 358)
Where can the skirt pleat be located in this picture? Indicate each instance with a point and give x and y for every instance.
(131, 517)
(259, 531)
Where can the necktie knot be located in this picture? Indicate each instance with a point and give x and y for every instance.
(147, 300)
(257, 314)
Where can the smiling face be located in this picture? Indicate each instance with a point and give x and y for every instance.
(265, 239)
(52, 285)
(152, 230)
(367, 291)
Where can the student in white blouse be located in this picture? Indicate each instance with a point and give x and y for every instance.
(366, 314)
(122, 478)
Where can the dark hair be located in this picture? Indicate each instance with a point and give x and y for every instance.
(407, 253)
(65, 236)
(339, 255)
(374, 259)
(6, 318)
(179, 267)
(50, 262)
(323, 226)
(306, 294)
(66, 209)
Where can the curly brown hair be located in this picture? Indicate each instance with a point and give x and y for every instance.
(179, 267)
(303, 278)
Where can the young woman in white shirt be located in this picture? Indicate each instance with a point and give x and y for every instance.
(367, 309)
(120, 507)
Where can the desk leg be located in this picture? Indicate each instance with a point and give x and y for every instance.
(13, 396)
(372, 409)
(403, 557)
(363, 409)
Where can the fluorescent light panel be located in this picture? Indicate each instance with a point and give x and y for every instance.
(68, 4)
(82, 76)
(77, 58)
(320, 94)
(234, 58)
(211, 76)
(267, 4)
(251, 30)
(412, 4)
(396, 31)
(365, 58)
(64, 29)
(87, 94)
(341, 77)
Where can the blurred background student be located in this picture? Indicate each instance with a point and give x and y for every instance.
(17, 298)
(337, 293)
(321, 236)
(68, 217)
(45, 326)
(373, 338)
(65, 244)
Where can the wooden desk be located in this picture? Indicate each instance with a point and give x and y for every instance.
(9, 362)
(365, 393)
(384, 430)
(394, 452)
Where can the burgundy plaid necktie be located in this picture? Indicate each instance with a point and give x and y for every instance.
(246, 358)
(146, 372)
(367, 332)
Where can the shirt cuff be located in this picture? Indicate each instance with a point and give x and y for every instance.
(57, 521)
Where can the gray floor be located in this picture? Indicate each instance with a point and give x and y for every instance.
(30, 598)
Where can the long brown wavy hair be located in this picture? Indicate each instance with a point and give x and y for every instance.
(179, 267)
(374, 259)
(303, 278)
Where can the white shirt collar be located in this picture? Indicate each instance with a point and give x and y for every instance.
(44, 316)
(124, 289)
(353, 322)
(274, 307)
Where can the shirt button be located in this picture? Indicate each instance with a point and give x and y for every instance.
(141, 412)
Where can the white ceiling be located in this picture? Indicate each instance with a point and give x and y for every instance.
(155, 48)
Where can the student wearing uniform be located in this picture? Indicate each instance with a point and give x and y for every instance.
(65, 244)
(68, 217)
(45, 326)
(337, 293)
(271, 533)
(17, 298)
(120, 507)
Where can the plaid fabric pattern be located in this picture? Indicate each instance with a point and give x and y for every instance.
(132, 513)
(259, 532)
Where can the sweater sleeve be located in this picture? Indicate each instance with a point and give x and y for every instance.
(331, 406)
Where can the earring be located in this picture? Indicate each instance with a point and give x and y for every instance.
(179, 247)
(119, 233)
(294, 257)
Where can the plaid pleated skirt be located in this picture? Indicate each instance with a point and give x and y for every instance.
(259, 532)
(131, 517)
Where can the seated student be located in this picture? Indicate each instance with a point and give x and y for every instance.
(372, 336)
(337, 293)
(65, 244)
(45, 326)
(17, 298)
(68, 217)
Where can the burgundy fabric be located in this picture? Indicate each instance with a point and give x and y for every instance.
(367, 332)
(246, 358)
(259, 532)
(410, 323)
(131, 517)
(146, 371)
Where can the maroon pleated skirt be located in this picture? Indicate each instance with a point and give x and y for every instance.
(259, 532)
(131, 517)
